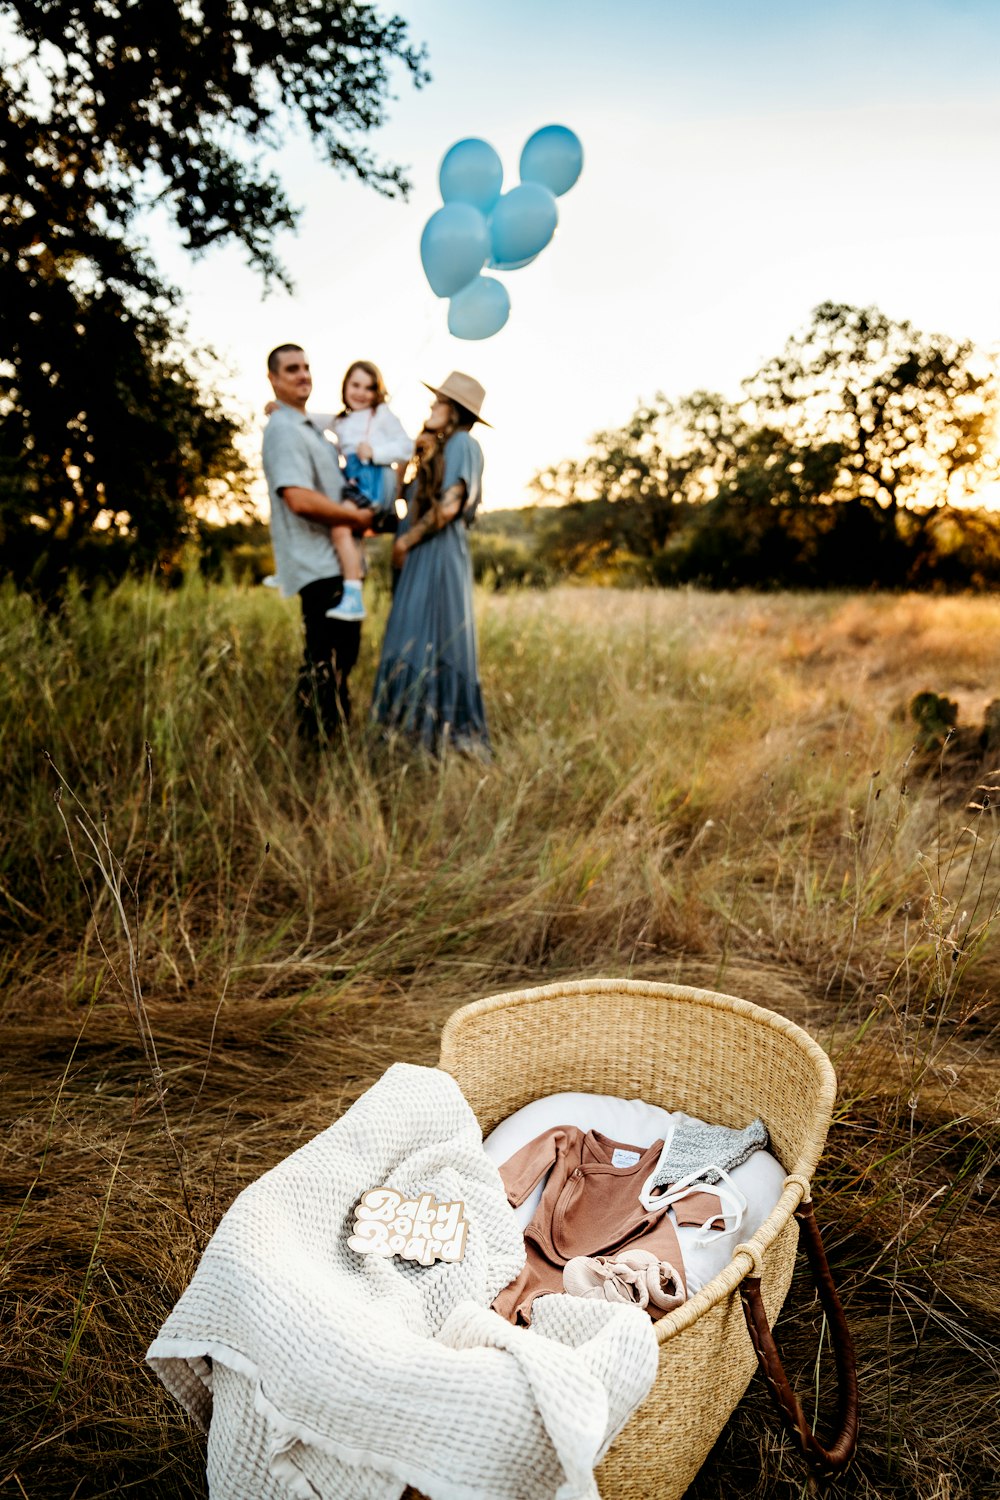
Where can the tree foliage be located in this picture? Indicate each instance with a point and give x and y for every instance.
(914, 413)
(107, 421)
(822, 472)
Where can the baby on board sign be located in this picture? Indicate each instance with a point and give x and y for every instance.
(421, 1229)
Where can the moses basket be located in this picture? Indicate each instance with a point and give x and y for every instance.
(725, 1060)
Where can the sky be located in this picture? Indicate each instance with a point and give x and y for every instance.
(743, 162)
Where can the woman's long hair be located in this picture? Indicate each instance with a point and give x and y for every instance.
(428, 455)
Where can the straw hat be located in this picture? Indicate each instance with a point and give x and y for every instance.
(463, 389)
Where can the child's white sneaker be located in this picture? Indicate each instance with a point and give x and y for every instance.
(351, 607)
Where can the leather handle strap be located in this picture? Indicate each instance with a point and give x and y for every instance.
(823, 1459)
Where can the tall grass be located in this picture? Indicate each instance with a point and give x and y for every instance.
(216, 937)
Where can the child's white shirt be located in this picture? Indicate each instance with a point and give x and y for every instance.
(377, 426)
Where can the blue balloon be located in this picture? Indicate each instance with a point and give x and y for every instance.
(479, 310)
(522, 223)
(454, 247)
(553, 156)
(471, 172)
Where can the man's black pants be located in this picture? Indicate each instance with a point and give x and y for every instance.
(331, 650)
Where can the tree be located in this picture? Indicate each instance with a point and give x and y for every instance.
(106, 423)
(914, 413)
(116, 431)
(666, 456)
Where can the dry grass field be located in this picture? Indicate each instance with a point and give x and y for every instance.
(215, 939)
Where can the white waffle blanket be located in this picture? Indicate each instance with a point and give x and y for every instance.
(323, 1373)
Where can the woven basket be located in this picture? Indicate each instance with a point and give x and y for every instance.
(713, 1056)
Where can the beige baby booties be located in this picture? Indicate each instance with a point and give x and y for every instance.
(634, 1276)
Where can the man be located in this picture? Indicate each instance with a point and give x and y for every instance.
(303, 479)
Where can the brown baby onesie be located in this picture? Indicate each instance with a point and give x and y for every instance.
(590, 1206)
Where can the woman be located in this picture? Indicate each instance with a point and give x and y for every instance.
(428, 679)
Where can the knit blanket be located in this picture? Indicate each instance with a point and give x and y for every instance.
(339, 1376)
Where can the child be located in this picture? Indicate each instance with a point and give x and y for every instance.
(371, 439)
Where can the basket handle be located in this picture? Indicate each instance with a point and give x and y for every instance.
(837, 1455)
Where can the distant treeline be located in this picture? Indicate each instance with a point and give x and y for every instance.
(718, 544)
(722, 544)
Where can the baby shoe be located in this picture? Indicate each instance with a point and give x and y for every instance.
(634, 1276)
(602, 1279)
(665, 1287)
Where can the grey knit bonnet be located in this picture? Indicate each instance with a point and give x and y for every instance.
(697, 1148)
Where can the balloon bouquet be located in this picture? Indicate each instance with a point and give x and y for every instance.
(480, 226)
